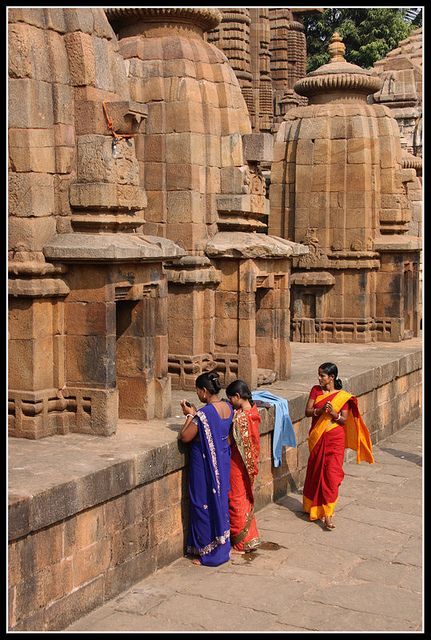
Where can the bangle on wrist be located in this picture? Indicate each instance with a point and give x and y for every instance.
(338, 417)
(314, 413)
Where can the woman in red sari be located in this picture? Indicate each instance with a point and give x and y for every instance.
(245, 447)
(336, 425)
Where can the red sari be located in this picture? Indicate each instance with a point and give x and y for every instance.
(245, 448)
(327, 441)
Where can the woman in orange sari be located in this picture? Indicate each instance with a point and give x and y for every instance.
(245, 448)
(336, 425)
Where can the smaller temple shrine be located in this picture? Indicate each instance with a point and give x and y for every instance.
(228, 298)
(401, 90)
(338, 184)
(88, 321)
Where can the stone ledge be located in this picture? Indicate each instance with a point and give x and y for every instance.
(57, 477)
(252, 245)
(110, 247)
(397, 243)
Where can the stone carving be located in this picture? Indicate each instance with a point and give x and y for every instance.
(316, 253)
(357, 245)
(401, 90)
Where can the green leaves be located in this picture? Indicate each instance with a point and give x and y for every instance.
(369, 34)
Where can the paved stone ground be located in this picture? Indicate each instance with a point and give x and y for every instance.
(365, 575)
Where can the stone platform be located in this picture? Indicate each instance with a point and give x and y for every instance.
(90, 516)
(365, 575)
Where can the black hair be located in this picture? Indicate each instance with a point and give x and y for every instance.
(331, 369)
(209, 381)
(241, 388)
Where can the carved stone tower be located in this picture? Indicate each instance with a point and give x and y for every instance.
(288, 60)
(266, 48)
(228, 298)
(337, 185)
(87, 293)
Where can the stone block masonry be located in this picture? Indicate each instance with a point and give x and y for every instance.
(90, 516)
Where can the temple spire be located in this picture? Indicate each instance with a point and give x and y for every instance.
(337, 48)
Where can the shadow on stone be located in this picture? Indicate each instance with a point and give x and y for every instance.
(411, 457)
(293, 503)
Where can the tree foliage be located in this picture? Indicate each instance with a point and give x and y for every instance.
(369, 34)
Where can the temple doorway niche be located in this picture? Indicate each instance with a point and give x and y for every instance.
(264, 331)
(271, 326)
(132, 358)
(304, 306)
(410, 300)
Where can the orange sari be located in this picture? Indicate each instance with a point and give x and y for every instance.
(327, 442)
(244, 535)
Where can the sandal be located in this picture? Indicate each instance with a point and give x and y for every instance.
(328, 525)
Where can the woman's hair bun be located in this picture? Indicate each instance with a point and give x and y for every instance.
(214, 378)
(209, 380)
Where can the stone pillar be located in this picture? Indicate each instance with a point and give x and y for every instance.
(252, 305)
(41, 157)
(36, 363)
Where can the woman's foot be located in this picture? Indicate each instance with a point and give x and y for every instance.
(240, 553)
(196, 561)
(328, 524)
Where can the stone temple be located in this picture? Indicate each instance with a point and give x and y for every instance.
(182, 197)
(339, 185)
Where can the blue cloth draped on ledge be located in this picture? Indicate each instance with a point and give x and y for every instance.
(284, 434)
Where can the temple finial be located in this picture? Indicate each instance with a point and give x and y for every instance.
(336, 48)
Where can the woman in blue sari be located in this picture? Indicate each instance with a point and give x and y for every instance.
(207, 429)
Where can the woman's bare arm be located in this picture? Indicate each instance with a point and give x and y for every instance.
(188, 431)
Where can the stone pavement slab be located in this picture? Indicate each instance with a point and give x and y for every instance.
(365, 575)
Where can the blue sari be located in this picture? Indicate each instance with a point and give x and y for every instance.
(209, 484)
